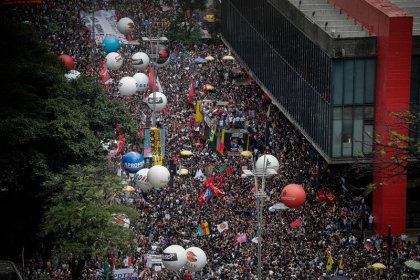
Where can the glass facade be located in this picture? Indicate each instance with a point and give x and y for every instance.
(353, 102)
(331, 100)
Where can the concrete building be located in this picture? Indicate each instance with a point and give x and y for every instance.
(337, 69)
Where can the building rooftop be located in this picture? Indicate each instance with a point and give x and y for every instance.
(412, 7)
(338, 34)
(335, 22)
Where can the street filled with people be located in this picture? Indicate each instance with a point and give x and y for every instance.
(330, 235)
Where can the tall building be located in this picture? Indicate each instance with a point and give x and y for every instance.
(337, 69)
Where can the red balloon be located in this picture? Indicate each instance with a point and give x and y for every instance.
(163, 54)
(293, 195)
(68, 60)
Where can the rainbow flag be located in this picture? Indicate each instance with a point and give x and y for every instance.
(203, 229)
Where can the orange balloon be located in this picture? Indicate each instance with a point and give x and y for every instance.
(293, 195)
(68, 61)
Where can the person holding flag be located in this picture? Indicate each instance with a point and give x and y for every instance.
(330, 262)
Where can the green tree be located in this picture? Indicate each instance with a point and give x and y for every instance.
(185, 27)
(46, 124)
(398, 155)
(79, 221)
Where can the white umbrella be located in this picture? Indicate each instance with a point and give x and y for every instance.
(279, 206)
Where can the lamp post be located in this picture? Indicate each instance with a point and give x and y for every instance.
(154, 41)
(262, 169)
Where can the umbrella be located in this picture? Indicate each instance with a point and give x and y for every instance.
(209, 58)
(183, 171)
(208, 87)
(279, 206)
(378, 266)
(200, 60)
(129, 189)
(228, 57)
(413, 264)
(246, 154)
(186, 153)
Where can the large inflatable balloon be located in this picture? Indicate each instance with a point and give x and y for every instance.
(113, 61)
(125, 25)
(158, 103)
(132, 162)
(140, 61)
(196, 259)
(127, 86)
(72, 74)
(174, 257)
(111, 44)
(158, 176)
(293, 195)
(265, 162)
(68, 61)
(141, 179)
(142, 81)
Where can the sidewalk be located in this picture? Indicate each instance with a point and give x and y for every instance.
(411, 233)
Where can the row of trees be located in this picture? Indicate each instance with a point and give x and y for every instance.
(56, 186)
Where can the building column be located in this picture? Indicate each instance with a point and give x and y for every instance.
(393, 28)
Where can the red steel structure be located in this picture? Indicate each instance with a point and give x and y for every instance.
(393, 28)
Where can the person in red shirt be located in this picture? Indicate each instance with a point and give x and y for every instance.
(188, 276)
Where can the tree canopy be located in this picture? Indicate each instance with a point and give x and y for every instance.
(46, 124)
(80, 221)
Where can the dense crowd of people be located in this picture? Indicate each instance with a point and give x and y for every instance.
(329, 239)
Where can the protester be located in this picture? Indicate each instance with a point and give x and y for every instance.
(328, 240)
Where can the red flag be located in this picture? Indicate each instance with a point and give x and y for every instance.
(209, 181)
(321, 196)
(128, 261)
(201, 199)
(296, 223)
(165, 110)
(191, 93)
(229, 171)
(221, 147)
(104, 72)
(121, 142)
(152, 84)
(216, 191)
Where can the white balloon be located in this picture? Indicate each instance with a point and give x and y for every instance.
(127, 86)
(158, 176)
(125, 25)
(174, 257)
(141, 179)
(142, 81)
(196, 259)
(140, 61)
(113, 61)
(160, 101)
(267, 162)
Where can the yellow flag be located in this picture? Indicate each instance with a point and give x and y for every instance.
(334, 208)
(330, 262)
(198, 115)
(340, 264)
